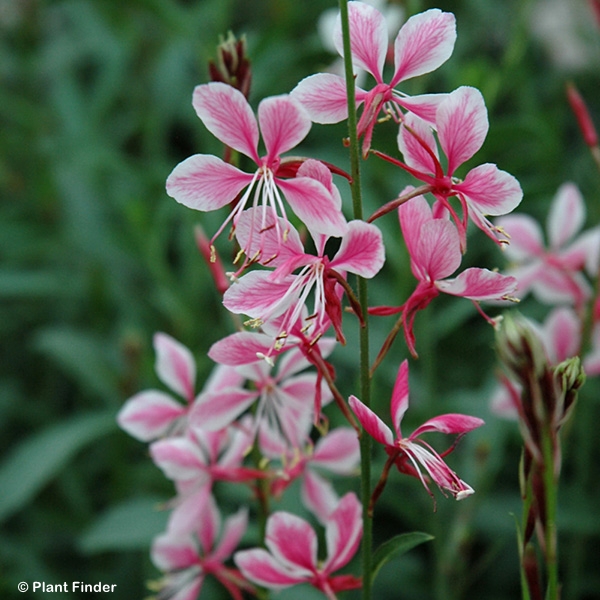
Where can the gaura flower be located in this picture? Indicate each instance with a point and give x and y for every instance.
(554, 273)
(187, 559)
(434, 249)
(423, 43)
(263, 295)
(291, 554)
(151, 414)
(462, 124)
(206, 183)
(411, 454)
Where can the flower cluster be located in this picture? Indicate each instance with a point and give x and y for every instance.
(261, 417)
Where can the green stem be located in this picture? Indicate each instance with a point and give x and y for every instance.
(365, 378)
(550, 491)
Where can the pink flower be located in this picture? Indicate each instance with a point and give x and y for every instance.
(188, 558)
(152, 413)
(434, 249)
(336, 452)
(291, 555)
(411, 454)
(462, 125)
(285, 399)
(554, 273)
(423, 43)
(206, 183)
(263, 295)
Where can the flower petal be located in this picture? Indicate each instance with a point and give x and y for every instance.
(368, 38)
(284, 123)
(241, 348)
(413, 215)
(216, 410)
(424, 106)
(526, 240)
(449, 423)
(462, 125)
(318, 495)
(204, 182)
(562, 334)
(257, 295)
(178, 458)
(292, 541)
(372, 424)
(343, 532)
(324, 97)
(438, 249)
(491, 190)
(399, 402)
(175, 365)
(338, 451)
(314, 205)
(260, 567)
(226, 113)
(362, 251)
(412, 142)
(424, 42)
(233, 530)
(172, 552)
(566, 216)
(479, 284)
(149, 414)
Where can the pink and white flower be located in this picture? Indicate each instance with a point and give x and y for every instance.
(291, 554)
(151, 414)
(187, 559)
(263, 295)
(205, 182)
(434, 249)
(423, 44)
(462, 125)
(411, 454)
(554, 272)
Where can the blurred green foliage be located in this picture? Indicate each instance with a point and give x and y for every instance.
(95, 110)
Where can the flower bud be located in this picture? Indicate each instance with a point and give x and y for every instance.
(232, 65)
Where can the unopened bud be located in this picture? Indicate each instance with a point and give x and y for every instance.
(232, 65)
(571, 376)
(584, 120)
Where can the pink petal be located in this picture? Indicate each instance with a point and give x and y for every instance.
(343, 532)
(338, 451)
(175, 365)
(149, 414)
(241, 348)
(424, 43)
(324, 97)
(205, 182)
(222, 377)
(368, 38)
(373, 425)
(450, 423)
(292, 541)
(438, 249)
(399, 402)
(237, 443)
(284, 123)
(260, 567)
(566, 216)
(227, 115)
(584, 252)
(462, 125)
(318, 495)
(209, 525)
(188, 509)
(424, 106)
(214, 411)
(492, 191)
(479, 284)
(556, 286)
(562, 334)
(258, 296)
(170, 552)
(526, 241)
(413, 215)
(233, 530)
(178, 458)
(362, 251)
(314, 205)
(257, 234)
(410, 143)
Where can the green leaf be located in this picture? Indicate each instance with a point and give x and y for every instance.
(131, 525)
(396, 546)
(39, 458)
